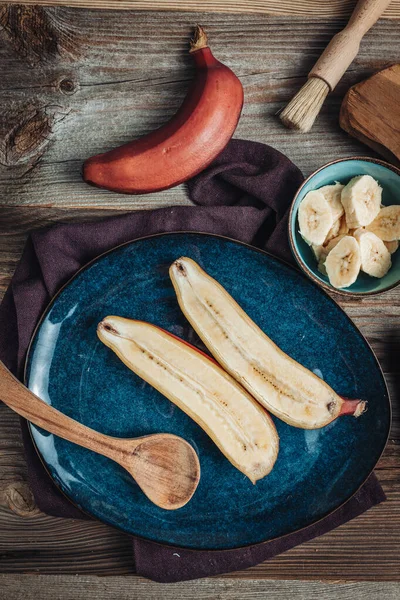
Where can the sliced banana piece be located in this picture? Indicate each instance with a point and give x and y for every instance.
(333, 243)
(325, 251)
(392, 246)
(387, 224)
(357, 232)
(334, 231)
(344, 228)
(315, 218)
(375, 257)
(332, 194)
(361, 199)
(343, 263)
(321, 266)
(317, 250)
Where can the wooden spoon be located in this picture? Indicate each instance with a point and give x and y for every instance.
(165, 466)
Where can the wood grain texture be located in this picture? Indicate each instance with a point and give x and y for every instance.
(102, 81)
(114, 84)
(335, 8)
(94, 588)
(370, 112)
(33, 35)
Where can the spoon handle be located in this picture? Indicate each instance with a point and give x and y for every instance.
(25, 403)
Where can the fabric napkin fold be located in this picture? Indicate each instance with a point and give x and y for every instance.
(245, 194)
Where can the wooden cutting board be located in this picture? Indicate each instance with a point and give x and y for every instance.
(371, 112)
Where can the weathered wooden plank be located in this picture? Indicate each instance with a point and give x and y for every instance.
(336, 8)
(103, 84)
(365, 549)
(74, 82)
(95, 588)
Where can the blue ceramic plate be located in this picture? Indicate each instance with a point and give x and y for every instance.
(343, 170)
(69, 368)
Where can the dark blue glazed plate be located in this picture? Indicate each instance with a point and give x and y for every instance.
(72, 370)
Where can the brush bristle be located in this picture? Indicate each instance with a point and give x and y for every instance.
(303, 109)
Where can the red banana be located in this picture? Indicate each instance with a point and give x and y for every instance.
(185, 145)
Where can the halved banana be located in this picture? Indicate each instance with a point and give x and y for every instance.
(332, 194)
(375, 257)
(282, 385)
(387, 224)
(392, 246)
(240, 427)
(315, 218)
(361, 199)
(343, 263)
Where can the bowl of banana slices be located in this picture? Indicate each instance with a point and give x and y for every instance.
(344, 226)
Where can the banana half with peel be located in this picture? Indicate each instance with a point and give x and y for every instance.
(279, 383)
(239, 426)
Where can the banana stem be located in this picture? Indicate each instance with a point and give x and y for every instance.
(199, 40)
(353, 407)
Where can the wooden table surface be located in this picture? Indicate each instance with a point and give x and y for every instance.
(75, 82)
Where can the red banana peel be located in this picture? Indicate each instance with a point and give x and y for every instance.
(185, 145)
(239, 426)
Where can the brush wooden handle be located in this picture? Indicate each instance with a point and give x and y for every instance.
(29, 406)
(345, 45)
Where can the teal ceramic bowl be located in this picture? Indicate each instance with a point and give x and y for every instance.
(343, 170)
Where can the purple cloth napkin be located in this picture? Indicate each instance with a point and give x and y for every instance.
(245, 194)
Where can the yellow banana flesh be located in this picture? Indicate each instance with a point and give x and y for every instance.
(280, 384)
(239, 426)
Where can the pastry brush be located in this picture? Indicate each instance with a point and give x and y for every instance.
(303, 109)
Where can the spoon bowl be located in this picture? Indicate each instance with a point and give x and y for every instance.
(166, 468)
